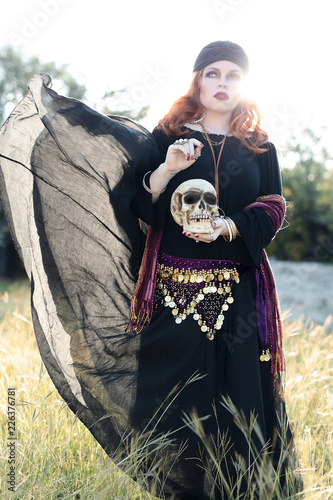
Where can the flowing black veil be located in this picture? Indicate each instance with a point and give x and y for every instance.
(68, 177)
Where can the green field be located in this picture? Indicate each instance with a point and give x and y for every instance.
(57, 458)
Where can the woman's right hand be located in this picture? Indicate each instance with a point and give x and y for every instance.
(182, 154)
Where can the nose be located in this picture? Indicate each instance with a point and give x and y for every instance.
(223, 81)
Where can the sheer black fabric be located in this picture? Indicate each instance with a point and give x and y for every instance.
(67, 185)
(72, 189)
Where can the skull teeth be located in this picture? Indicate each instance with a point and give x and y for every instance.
(200, 217)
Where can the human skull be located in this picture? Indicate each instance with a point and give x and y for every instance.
(194, 205)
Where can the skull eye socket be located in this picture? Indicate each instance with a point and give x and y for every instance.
(210, 198)
(191, 198)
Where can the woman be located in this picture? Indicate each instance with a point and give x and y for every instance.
(197, 375)
(221, 142)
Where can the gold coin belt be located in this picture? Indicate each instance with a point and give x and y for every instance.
(206, 294)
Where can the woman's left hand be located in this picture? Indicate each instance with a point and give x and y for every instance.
(219, 229)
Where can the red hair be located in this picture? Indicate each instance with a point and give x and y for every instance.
(245, 118)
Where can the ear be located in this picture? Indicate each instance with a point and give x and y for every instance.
(175, 207)
(178, 201)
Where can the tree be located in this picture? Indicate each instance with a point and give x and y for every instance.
(15, 72)
(117, 99)
(308, 189)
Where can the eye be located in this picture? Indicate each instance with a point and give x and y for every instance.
(191, 198)
(234, 76)
(210, 198)
(211, 73)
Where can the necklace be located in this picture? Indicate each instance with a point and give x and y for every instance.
(205, 135)
(216, 163)
(213, 143)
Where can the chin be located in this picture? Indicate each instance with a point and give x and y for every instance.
(224, 108)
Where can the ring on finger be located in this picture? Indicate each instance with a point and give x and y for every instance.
(181, 142)
(211, 237)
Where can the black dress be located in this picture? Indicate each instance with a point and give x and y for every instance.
(171, 353)
(72, 191)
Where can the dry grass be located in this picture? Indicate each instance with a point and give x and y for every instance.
(56, 456)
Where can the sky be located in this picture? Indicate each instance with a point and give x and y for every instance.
(149, 48)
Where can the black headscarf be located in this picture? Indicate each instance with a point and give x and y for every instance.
(222, 51)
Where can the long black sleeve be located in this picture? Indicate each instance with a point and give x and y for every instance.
(255, 225)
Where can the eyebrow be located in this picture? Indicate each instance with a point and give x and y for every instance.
(231, 71)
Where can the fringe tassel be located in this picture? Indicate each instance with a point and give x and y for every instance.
(268, 307)
(143, 298)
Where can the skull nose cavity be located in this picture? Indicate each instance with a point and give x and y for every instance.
(202, 205)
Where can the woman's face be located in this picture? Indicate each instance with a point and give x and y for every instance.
(221, 87)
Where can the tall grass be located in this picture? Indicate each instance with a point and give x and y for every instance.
(57, 457)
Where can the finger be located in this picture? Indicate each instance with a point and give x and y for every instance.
(197, 151)
(205, 237)
(180, 148)
(190, 150)
(189, 154)
(217, 223)
(197, 147)
(196, 237)
(188, 234)
(195, 142)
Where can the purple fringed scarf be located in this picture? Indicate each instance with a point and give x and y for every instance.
(143, 297)
(268, 309)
